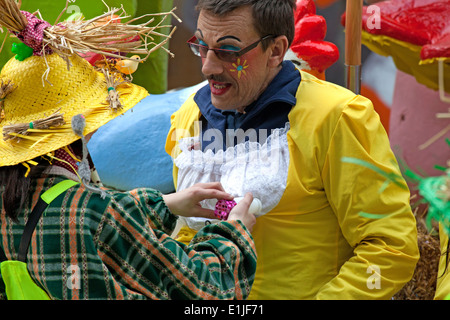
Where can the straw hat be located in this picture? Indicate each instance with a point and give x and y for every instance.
(67, 92)
(43, 88)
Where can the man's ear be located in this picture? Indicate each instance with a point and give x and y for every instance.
(278, 47)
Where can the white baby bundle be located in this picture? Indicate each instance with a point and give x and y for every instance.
(247, 167)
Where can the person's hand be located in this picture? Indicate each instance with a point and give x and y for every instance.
(186, 203)
(240, 212)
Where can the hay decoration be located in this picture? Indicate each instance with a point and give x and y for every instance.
(21, 130)
(422, 285)
(113, 80)
(113, 38)
(10, 16)
(5, 89)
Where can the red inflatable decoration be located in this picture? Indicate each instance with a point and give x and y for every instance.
(424, 23)
(309, 50)
(415, 33)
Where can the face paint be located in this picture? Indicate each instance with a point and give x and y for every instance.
(240, 68)
(232, 48)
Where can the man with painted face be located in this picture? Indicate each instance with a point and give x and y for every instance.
(328, 227)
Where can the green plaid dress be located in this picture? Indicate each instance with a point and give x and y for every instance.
(85, 247)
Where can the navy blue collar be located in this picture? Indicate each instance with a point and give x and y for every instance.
(282, 89)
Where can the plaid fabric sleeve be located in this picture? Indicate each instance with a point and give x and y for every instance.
(228, 248)
(151, 204)
(220, 263)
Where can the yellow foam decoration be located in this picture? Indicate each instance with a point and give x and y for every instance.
(407, 59)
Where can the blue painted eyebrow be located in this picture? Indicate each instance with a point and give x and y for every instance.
(230, 47)
(225, 47)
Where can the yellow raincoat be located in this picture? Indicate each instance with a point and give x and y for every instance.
(321, 240)
(443, 277)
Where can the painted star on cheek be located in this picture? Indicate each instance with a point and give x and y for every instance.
(240, 68)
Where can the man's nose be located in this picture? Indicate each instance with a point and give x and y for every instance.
(211, 64)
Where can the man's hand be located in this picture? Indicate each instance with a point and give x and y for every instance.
(240, 212)
(186, 203)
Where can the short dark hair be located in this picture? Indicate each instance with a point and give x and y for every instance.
(275, 17)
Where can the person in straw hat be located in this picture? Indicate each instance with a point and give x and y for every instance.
(91, 242)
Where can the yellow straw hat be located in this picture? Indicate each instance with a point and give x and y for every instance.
(48, 83)
(79, 89)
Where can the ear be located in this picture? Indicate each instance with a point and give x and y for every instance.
(278, 49)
